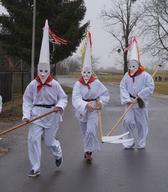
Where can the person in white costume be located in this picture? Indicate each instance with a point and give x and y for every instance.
(89, 94)
(41, 95)
(136, 83)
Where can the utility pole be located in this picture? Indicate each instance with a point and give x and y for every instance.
(33, 40)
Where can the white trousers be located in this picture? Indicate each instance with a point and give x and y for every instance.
(136, 122)
(89, 133)
(34, 144)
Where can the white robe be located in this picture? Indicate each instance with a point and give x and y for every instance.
(89, 120)
(136, 120)
(53, 95)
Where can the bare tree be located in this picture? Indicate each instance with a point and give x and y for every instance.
(120, 20)
(71, 64)
(156, 28)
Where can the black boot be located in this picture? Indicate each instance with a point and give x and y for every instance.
(88, 156)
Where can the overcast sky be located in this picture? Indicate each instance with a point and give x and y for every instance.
(102, 41)
(2, 10)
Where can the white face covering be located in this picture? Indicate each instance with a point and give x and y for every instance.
(86, 73)
(133, 66)
(43, 71)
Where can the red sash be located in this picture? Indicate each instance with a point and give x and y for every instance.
(92, 78)
(40, 85)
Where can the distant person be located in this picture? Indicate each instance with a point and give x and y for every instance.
(41, 95)
(136, 83)
(89, 94)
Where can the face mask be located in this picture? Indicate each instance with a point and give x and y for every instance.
(133, 66)
(43, 71)
(86, 74)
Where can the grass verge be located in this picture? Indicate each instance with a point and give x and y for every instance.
(161, 88)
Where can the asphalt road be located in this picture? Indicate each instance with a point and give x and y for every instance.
(113, 169)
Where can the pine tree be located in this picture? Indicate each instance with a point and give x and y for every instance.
(64, 19)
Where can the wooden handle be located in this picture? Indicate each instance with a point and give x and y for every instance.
(156, 70)
(121, 118)
(26, 123)
(99, 122)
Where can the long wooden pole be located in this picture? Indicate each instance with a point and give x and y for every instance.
(99, 121)
(100, 124)
(26, 123)
(129, 107)
(121, 118)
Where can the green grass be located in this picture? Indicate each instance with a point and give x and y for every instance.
(113, 78)
(68, 90)
(12, 110)
(161, 88)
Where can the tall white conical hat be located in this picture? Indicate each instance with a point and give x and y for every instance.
(44, 59)
(134, 51)
(44, 52)
(86, 51)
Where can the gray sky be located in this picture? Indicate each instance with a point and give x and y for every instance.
(102, 41)
(2, 10)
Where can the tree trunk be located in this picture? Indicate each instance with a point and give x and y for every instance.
(125, 62)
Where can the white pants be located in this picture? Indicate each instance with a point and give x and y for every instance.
(89, 133)
(136, 122)
(34, 144)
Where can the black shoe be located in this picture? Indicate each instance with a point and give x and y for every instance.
(58, 162)
(129, 148)
(32, 173)
(88, 157)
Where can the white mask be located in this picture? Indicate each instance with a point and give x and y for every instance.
(43, 71)
(86, 73)
(133, 66)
